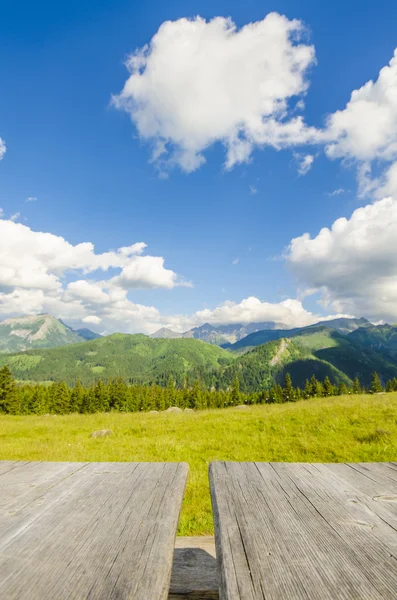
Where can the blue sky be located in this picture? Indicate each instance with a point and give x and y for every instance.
(90, 170)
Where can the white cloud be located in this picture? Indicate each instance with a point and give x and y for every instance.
(32, 259)
(336, 192)
(253, 190)
(31, 199)
(367, 128)
(288, 313)
(146, 272)
(353, 264)
(197, 83)
(15, 216)
(305, 162)
(235, 261)
(42, 272)
(92, 320)
(3, 148)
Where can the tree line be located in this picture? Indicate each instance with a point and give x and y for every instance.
(117, 395)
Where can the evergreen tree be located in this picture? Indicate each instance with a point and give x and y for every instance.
(313, 385)
(235, 397)
(389, 386)
(342, 389)
(60, 397)
(116, 396)
(319, 389)
(38, 401)
(288, 391)
(328, 387)
(307, 389)
(77, 398)
(101, 401)
(10, 400)
(376, 385)
(356, 386)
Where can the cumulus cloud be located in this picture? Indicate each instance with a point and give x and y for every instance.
(32, 259)
(288, 313)
(42, 272)
(305, 162)
(92, 320)
(367, 128)
(197, 83)
(3, 148)
(354, 263)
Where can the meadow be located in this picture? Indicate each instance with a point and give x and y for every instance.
(358, 428)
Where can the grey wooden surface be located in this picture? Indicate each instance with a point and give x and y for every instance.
(194, 570)
(88, 530)
(305, 531)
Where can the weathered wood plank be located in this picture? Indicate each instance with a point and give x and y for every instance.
(304, 531)
(89, 530)
(194, 570)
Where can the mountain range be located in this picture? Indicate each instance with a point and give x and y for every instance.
(41, 331)
(220, 335)
(341, 349)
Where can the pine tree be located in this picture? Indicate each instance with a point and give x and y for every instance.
(116, 396)
(235, 397)
(307, 389)
(77, 398)
(10, 400)
(342, 389)
(101, 397)
(38, 401)
(60, 398)
(328, 387)
(288, 391)
(389, 385)
(319, 389)
(376, 385)
(313, 385)
(356, 386)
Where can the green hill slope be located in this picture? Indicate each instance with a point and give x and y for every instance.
(382, 338)
(316, 350)
(134, 357)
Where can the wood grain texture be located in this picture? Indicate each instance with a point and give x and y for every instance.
(88, 530)
(305, 531)
(194, 570)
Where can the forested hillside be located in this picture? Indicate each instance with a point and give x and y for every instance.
(139, 359)
(136, 358)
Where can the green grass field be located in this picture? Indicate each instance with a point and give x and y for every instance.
(345, 428)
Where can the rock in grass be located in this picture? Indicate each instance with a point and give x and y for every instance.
(173, 409)
(101, 433)
(189, 410)
(154, 412)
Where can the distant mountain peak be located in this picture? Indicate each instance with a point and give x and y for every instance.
(38, 331)
(166, 333)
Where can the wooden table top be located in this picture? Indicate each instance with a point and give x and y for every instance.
(88, 530)
(305, 531)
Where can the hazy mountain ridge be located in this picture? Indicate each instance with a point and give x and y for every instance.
(38, 331)
(342, 325)
(220, 335)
